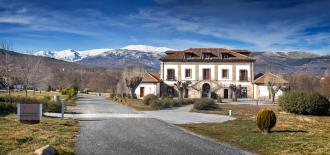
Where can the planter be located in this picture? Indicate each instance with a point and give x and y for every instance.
(29, 113)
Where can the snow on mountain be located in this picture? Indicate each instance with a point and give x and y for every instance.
(94, 52)
(131, 51)
(67, 55)
(44, 54)
(147, 48)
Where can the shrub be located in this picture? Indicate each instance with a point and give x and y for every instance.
(304, 103)
(8, 104)
(70, 91)
(214, 95)
(148, 98)
(187, 101)
(205, 104)
(156, 104)
(266, 120)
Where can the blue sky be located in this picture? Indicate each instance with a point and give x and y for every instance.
(290, 25)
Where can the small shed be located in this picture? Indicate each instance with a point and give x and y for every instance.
(150, 84)
(260, 85)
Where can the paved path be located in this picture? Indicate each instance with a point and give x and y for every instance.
(129, 135)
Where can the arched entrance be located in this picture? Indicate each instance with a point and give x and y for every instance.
(206, 90)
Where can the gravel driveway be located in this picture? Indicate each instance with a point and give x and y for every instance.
(129, 135)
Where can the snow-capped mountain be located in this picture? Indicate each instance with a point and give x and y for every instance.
(147, 48)
(94, 52)
(130, 50)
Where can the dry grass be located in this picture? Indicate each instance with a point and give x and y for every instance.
(293, 134)
(137, 104)
(35, 94)
(17, 138)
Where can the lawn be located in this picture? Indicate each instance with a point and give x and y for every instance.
(17, 138)
(293, 134)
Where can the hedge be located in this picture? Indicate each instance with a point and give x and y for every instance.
(304, 103)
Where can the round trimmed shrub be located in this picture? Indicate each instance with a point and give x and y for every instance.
(304, 103)
(148, 98)
(205, 104)
(266, 120)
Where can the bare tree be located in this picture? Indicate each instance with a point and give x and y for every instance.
(325, 86)
(273, 86)
(30, 72)
(6, 68)
(132, 84)
(235, 91)
(181, 87)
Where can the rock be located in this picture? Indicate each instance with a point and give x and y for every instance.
(46, 150)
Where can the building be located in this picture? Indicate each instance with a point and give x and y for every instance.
(150, 84)
(260, 85)
(210, 70)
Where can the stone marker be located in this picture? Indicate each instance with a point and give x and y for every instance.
(29, 113)
(46, 150)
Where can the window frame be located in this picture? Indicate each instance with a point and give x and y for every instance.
(227, 75)
(190, 72)
(167, 74)
(246, 77)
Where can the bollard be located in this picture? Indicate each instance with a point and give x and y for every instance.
(229, 112)
(62, 109)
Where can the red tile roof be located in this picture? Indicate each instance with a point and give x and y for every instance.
(263, 79)
(151, 78)
(235, 55)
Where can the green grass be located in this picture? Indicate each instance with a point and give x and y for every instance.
(293, 134)
(17, 138)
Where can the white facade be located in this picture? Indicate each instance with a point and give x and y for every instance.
(148, 88)
(193, 72)
(264, 93)
(230, 72)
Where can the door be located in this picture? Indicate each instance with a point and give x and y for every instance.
(141, 91)
(206, 74)
(225, 93)
(206, 90)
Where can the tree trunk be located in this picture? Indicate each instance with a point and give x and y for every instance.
(133, 94)
(234, 96)
(273, 97)
(8, 89)
(26, 92)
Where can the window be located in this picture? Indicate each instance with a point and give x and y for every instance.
(225, 56)
(225, 74)
(170, 74)
(206, 74)
(188, 56)
(243, 75)
(207, 56)
(243, 92)
(188, 73)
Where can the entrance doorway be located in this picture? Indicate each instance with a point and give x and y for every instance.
(206, 90)
(141, 91)
(225, 93)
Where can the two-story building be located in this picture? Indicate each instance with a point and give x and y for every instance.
(210, 70)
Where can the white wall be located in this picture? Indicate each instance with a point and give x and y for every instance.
(175, 67)
(243, 67)
(201, 67)
(183, 72)
(263, 91)
(149, 88)
(230, 72)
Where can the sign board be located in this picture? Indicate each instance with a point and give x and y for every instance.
(29, 113)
